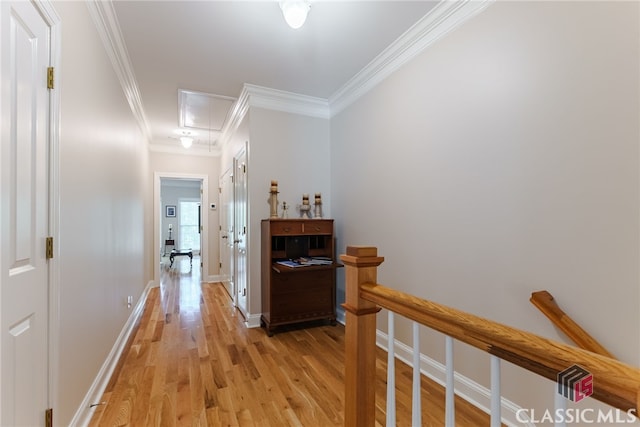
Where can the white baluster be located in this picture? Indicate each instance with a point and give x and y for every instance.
(416, 415)
(391, 373)
(496, 404)
(450, 409)
(560, 404)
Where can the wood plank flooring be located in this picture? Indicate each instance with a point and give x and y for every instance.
(192, 362)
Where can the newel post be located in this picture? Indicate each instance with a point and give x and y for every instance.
(361, 264)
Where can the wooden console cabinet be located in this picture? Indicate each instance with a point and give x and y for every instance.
(297, 294)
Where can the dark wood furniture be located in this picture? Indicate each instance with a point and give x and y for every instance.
(169, 242)
(181, 252)
(297, 294)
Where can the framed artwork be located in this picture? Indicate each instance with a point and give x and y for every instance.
(170, 211)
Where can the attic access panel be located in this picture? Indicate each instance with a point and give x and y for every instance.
(201, 110)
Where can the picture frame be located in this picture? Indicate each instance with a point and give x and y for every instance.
(170, 211)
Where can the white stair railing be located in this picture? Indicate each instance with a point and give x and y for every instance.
(496, 397)
(391, 372)
(560, 405)
(416, 407)
(449, 399)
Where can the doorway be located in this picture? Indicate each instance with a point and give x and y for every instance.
(179, 219)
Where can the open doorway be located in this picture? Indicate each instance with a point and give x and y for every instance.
(180, 222)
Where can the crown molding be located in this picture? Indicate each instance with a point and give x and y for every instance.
(288, 102)
(272, 99)
(106, 22)
(442, 19)
(238, 111)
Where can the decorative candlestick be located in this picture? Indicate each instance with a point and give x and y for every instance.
(305, 207)
(317, 211)
(170, 230)
(273, 199)
(285, 208)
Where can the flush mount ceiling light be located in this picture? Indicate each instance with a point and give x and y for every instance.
(295, 12)
(186, 137)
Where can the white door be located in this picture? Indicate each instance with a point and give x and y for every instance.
(240, 241)
(226, 232)
(24, 168)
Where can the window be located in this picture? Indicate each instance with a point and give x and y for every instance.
(189, 223)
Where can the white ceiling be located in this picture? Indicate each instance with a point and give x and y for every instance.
(217, 46)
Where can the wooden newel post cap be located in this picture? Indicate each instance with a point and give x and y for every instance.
(363, 256)
(362, 251)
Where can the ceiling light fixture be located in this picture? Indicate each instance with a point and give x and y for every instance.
(186, 141)
(295, 12)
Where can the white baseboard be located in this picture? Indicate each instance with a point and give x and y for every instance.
(466, 388)
(84, 413)
(252, 320)
(215, 278)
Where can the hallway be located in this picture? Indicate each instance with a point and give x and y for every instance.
(192, 361)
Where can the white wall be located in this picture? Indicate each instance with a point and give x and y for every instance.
(501, 161)
(294, 150)
(188, 165)
(103, 181)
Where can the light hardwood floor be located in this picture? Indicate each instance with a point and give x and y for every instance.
(192, 362)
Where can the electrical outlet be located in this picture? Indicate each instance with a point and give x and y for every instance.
(129, 301)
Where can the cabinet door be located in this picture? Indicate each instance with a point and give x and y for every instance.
(299, 295)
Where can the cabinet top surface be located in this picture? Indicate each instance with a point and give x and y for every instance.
(297, 219)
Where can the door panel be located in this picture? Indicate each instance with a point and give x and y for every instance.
(226, 233)
(240, 241)
(24, 279)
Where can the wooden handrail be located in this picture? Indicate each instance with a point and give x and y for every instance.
(617, 384)
(550, 308)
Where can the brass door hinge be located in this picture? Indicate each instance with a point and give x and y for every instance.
(49, 248)
(48, 417)
(50, 78)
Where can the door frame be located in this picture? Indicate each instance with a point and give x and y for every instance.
(158, 212)
(51, 17)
